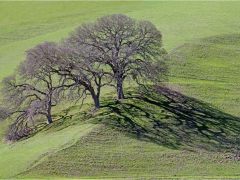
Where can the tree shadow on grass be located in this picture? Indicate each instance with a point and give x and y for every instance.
(68, 117)
(169, 118)
(163, 116)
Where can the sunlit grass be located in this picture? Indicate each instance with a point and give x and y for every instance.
(207, 69)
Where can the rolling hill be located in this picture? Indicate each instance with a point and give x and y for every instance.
(188, 130)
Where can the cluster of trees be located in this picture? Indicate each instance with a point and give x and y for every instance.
(104, 53)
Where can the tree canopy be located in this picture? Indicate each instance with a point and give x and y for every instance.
(129, 48)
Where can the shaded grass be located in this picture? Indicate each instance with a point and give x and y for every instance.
(174, 120)
(164, 133)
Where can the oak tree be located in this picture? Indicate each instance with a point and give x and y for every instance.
(129, 48)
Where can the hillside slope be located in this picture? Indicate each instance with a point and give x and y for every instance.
(208, 69)
(18, 157)
(167, 133)
(204, 46)
(163, 133)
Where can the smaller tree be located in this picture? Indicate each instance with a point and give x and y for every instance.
(32, 92)
(61, 64)
(18, 106)
(88, 75)
(42, 81)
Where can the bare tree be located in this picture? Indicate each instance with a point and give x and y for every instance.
(18, 105)
(128, 47)
(88, 75)
(33, 91)
(40, 80)
(76, 73)
(116, 47)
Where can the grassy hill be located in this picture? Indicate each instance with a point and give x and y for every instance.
(163, 133)
(209, 69)
(188, 132)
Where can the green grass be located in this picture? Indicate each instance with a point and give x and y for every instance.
(24, 24)
(153, 136)
(108, 153)
(203, 40)
(208, 69)
(17, 157)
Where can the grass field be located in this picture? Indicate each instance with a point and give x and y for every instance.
(137, 138)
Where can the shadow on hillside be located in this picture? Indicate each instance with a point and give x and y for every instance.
(70, 116)
(172, 119)
(162, 116)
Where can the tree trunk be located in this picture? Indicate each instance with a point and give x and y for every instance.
(49, 119)
(96, 102)
(120, 94)
(95, 98)
(49, 110)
